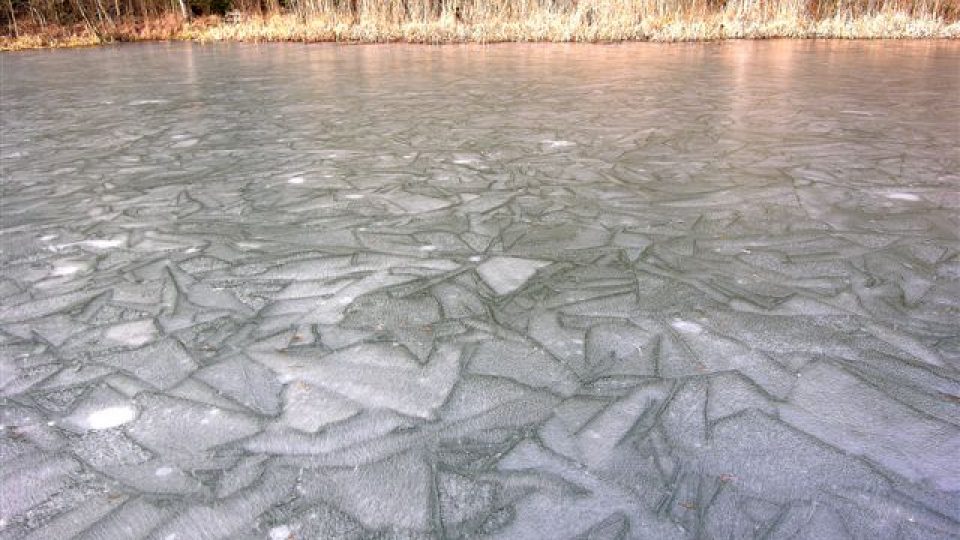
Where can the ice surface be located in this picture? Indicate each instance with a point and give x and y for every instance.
(619, 292)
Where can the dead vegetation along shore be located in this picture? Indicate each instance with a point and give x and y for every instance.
(59, 23)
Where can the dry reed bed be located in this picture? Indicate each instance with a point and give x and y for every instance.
(524, 20)
(707, 26)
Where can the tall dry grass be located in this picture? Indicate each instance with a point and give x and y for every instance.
(590, 21)
(165, 27)
(487, 21)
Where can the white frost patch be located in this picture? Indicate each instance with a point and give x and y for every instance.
(559, 144)
(148, 101)
(185, 143)
(207, 417)
(103, 243)
(96, 243)
(110, 417)
(686, 326)
(428, 248)
(66, 269)
(507, 274)
(281, 532)
(353, 196)
(134, 333)
(295, 180)
(163, 471)
(898, 196)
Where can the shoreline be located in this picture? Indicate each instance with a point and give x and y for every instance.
(287, 27)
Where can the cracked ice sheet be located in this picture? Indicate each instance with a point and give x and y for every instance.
(542, 292)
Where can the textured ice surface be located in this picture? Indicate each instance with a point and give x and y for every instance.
(607, 292)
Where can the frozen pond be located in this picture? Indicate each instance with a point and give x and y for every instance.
(524, 291)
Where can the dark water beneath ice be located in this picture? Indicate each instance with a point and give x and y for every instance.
(522, 291)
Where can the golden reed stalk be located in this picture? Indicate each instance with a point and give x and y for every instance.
(489, 21)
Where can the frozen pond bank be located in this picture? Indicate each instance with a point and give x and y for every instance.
(643, 291)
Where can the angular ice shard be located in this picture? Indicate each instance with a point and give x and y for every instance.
(175, 426)
(463, 500)
(132, 334)
(72, 522)
(832, 404)
(134, 519)
(108, 448)
(620, 349)
(246, 382)
(376, 375)
(309, 408)
(29, 480)
(242, 475)
(773, 461)
(563, 498)
(507, 274)
(157, 476)
(523, 362)
(590, 432)
(231, 516)
(393, 493)
(162, 364)
(413, 203)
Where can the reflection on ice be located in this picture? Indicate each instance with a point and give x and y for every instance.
(110, 417)
(641, 291)
(903, 196)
